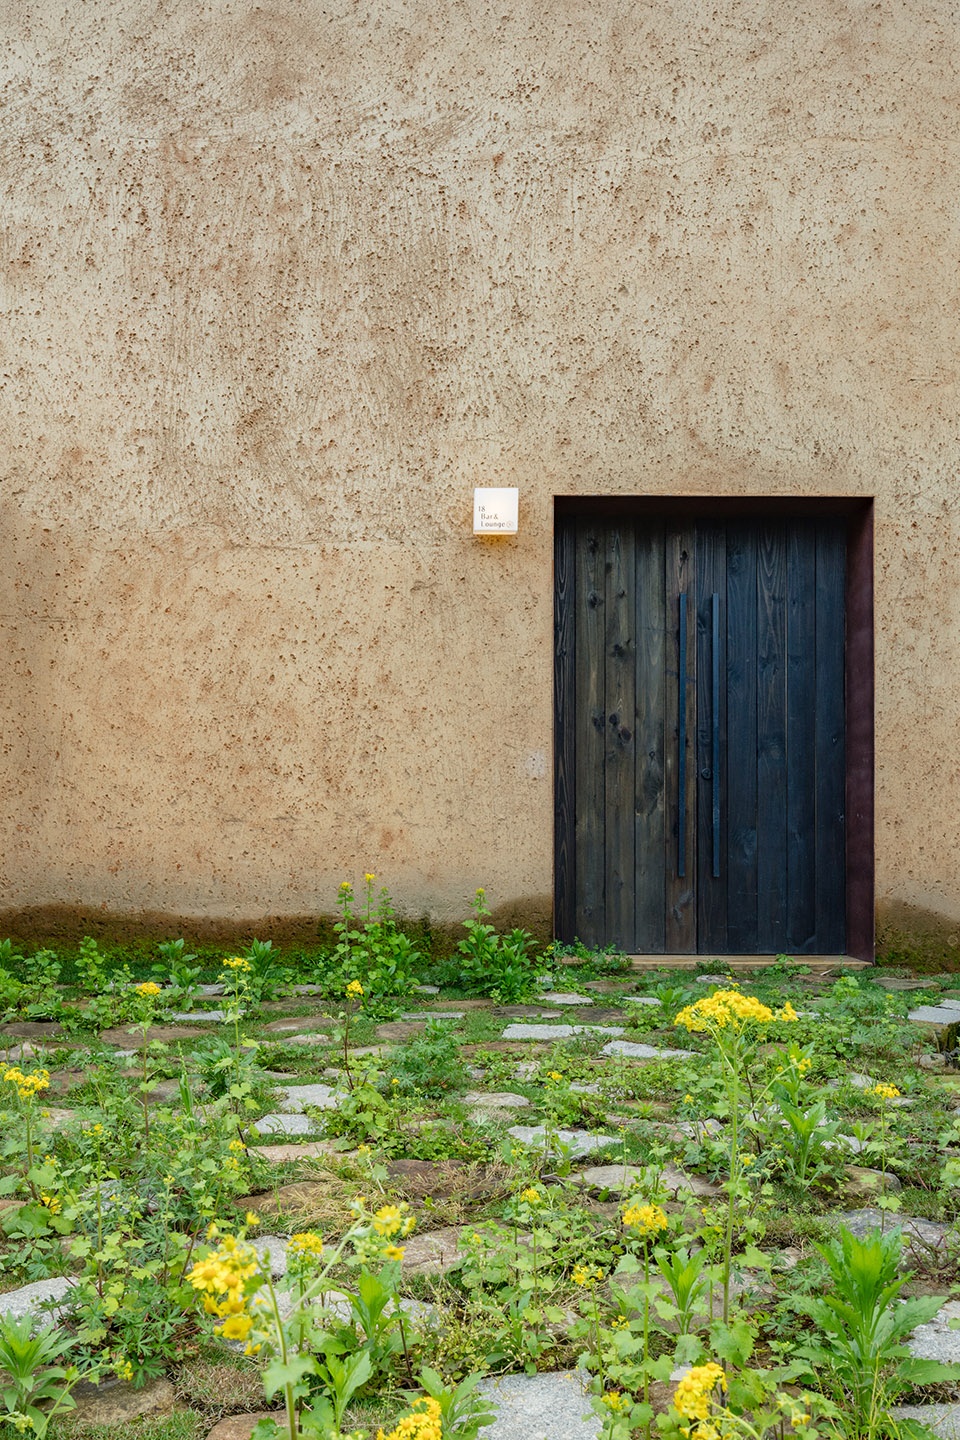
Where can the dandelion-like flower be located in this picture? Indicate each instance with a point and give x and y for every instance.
(616, 1401)
(237, 962)
(222, 1277)
(586, 1275)
(306, 1245)
(28, 1086)
(884, 1092)
(369, 878)
(423, 1422)
(692, 1398)
(390, 1220)
(729, 1009)
(354, 990)
(148, 989)
(531, 1195)
(646, 1220)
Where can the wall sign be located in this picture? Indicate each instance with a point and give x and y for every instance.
(496, 510)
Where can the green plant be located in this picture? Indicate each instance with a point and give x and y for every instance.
(370, 945)
(732, 1021)
(175, 970)
(91, 966)
(32, 1376)
(501, 966)
(859, 1358)
(463, 1413)
(429, 1065)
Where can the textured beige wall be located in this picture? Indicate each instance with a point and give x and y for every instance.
(284, 282)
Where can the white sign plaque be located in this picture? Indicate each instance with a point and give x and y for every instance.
(496, 510)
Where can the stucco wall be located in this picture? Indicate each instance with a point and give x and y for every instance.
(284, 282)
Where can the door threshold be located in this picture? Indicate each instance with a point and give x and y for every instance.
(816, 964)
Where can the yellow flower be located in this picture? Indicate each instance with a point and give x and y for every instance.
(692, 1398)
(646, 1220)
(688, 1099)
(728, 1009)
(51, 1202)
(788, 1013)
(586, 1275)
(394, 1252)
(746, 1158)
(619, 1322)
(394, 1081)
(237, 962)
(390, 1220)
(531, 1195)
(884, 1092)
(148, 989)
(616, 1401)
(369, 878)
(354, 990)
(423, 1422)
(252, 1218)
(306, 1243)
(235, 1327)
(28, 1086)
(236, 1145)
(554, 1075)
(345, 885)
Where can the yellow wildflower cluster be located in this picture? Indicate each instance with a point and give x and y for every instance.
(27, 1085)
(730, 1009)
(692, 1398)
(616, 1401)
(354, 990)
(646, 1220)
(148, 989)
(390, 1220)
(307, 1244)
(587, 1275)
(237, 962)
(884, 1092)
(555, 1076)
(423, 1422)
(369, 878)
(222, 1278)
(531, 1196)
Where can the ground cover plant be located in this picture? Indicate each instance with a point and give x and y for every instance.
(314, 1183)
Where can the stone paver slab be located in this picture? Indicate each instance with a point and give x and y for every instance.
(307, 1150)
(566, 997)
(27, 1299)
(579, 1142)
(558, 1032)
(633, 1050)
(495, 1100)
(282, 1124)
(540, 1407)
(936, 1340)
(296, 1098)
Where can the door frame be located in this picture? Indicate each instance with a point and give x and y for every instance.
(858, 680)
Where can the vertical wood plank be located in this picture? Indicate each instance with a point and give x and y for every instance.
(741, 750)
(859, 743)
(680, 924)
(830, 738)
(620, 750)
(711, 548)
(771, 738)
(801, 748)
(650, 833)
(564, 751)
(589, 729)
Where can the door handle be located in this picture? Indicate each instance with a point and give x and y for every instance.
(715, 737)
(682, 743)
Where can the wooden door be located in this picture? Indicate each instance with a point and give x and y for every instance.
(700, 735)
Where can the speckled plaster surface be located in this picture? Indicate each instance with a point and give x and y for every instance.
(282, 283)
